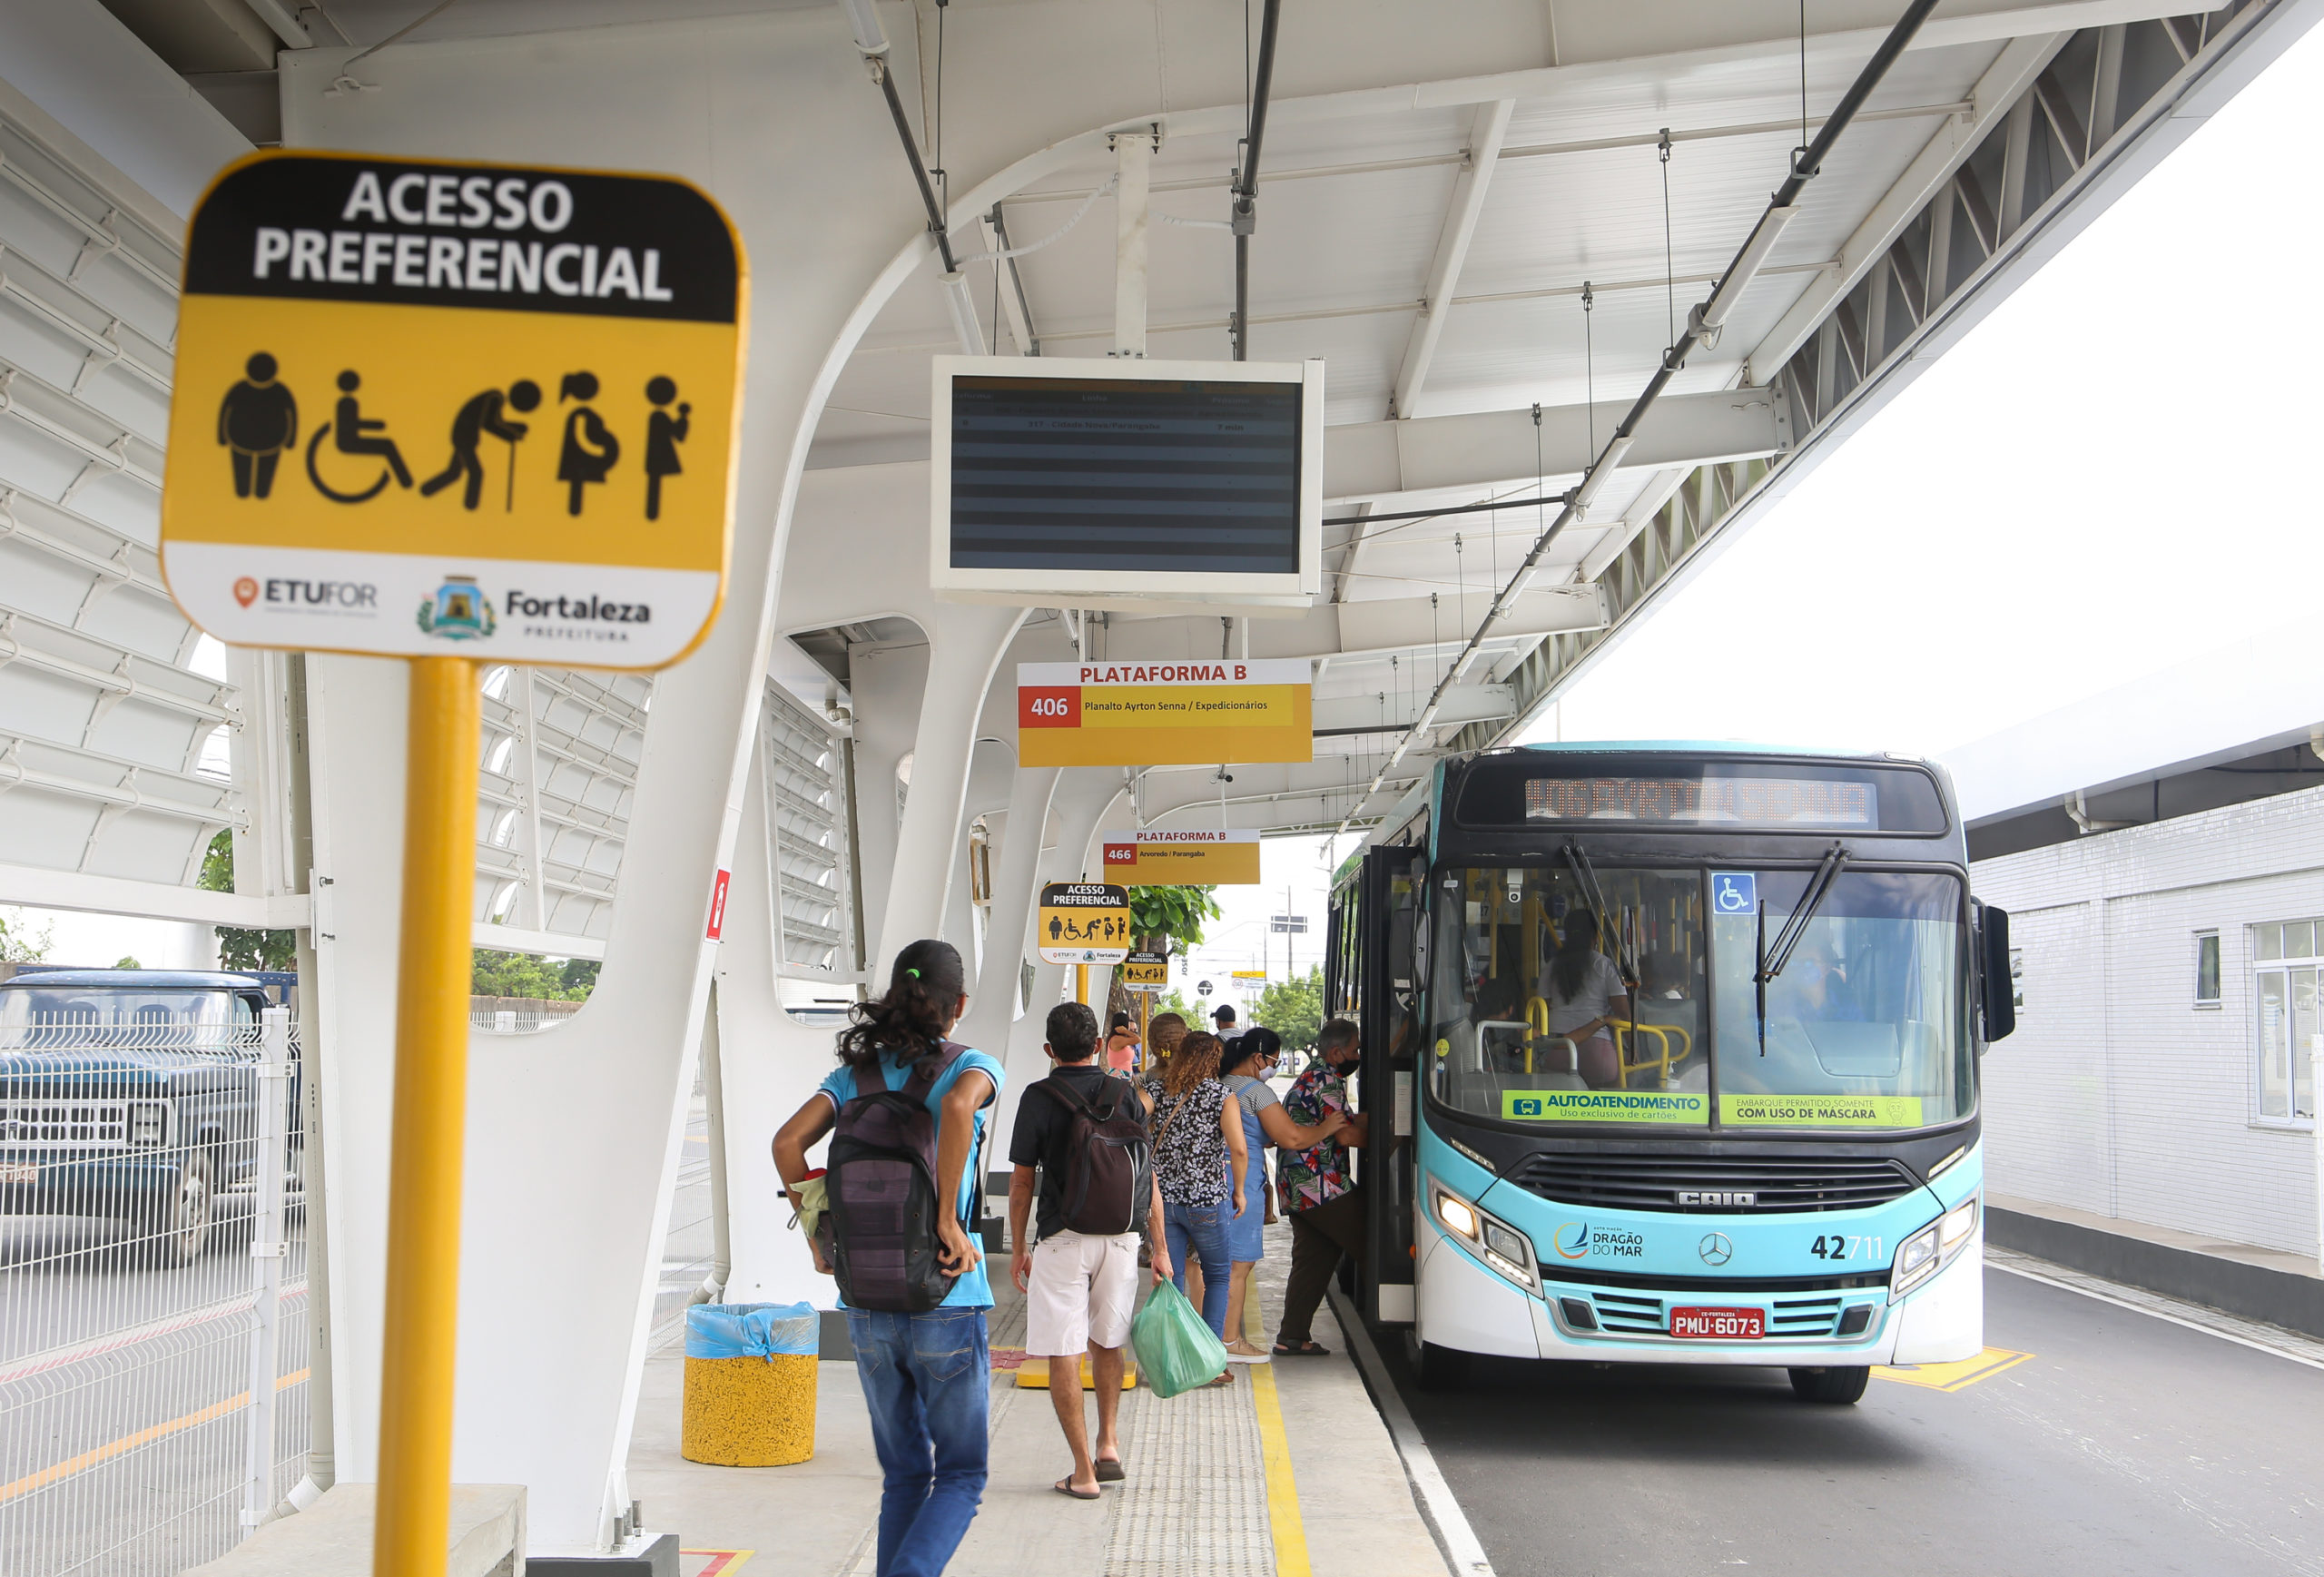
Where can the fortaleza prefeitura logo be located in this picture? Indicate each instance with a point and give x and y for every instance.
(460, 611)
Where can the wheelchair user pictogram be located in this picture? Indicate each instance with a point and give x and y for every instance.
(351, 431)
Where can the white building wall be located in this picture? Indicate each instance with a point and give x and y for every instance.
(2118, 1094)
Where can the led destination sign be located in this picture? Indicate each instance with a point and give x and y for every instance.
(1754, 802)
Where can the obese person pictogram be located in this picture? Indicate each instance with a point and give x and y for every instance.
(415, 376)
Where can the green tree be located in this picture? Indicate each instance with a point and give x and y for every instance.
(20, 941)
(240, 947)
(521, 974)
(127, 962)
(1172, 913)
(1294, 1008)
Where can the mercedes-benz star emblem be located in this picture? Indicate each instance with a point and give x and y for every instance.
(1715, 1249)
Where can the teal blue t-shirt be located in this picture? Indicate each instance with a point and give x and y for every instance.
(973, 1290)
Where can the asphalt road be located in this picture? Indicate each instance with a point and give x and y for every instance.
(2124, 1445)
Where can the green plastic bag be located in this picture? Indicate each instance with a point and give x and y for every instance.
(1175, 1351)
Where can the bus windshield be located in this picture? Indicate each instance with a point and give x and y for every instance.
(1570, 993)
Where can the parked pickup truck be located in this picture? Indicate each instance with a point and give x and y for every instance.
(131, 1095)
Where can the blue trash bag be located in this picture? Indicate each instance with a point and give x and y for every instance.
(1175, 1351)
(752, 1330)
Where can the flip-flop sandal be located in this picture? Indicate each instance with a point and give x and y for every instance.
(1225, 1378)
(1064, 1487)
(1305, 1350)
(1110, 1473)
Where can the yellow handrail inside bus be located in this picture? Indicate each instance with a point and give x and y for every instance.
(1662, 1034)
(1537, 1026)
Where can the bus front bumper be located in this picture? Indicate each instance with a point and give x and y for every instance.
(1462, 1305)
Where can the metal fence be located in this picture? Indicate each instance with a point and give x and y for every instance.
(153, 1290)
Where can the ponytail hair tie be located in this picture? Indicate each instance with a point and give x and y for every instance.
(913, 974)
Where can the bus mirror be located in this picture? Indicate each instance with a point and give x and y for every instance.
(2000, 989)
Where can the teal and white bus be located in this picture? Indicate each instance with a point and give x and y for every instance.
(1775, 1161)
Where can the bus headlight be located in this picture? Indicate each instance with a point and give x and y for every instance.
(1932, 1247)
(1506, 1250)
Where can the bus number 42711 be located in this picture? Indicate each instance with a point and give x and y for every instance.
(1835, 1246)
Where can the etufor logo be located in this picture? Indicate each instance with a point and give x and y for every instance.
(246, 591)
(458, 612)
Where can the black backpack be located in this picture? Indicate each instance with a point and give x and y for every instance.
(1109, 1159)
(880, 1178)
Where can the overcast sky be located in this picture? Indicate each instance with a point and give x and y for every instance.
(2103, 479)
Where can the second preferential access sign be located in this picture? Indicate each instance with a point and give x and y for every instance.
(448, 409)
(1246, 709)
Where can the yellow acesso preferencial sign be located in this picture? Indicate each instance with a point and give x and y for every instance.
(434, 409)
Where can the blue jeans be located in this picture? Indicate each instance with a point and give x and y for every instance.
(927, 1379)
(1202, 1228)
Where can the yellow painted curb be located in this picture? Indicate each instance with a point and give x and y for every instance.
(1954, 1377)
(1284, 1520)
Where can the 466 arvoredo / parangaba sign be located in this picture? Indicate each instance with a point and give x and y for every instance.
(433, 407)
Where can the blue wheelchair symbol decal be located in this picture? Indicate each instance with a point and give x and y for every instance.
(1735, 892)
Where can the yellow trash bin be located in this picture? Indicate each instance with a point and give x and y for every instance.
(750, 1391)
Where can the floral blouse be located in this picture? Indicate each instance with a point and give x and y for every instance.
(1190, 1158)
(1319, 1174)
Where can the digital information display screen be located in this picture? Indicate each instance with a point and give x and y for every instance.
(1108, 474)
(1748, 802)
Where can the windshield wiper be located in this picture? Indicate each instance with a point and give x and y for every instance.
(1794, 930)
(1586, 876)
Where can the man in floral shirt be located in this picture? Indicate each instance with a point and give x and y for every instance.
(1324, 1203)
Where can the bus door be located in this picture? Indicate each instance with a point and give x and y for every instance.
(1388, 983)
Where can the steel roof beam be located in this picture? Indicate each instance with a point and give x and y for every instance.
(1187, 796)
(1486, 132)
(1346, 629)
(2005, 83)
(1379, 459)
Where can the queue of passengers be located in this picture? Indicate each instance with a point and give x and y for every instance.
(1207, 1116)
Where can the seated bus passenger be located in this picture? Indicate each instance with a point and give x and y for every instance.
(1663, 978)
(1814, 988)
(1586, 998)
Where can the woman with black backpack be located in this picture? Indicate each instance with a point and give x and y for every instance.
(906, 1110)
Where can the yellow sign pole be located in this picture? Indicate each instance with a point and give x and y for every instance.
(1081, 984)
(430, 1121)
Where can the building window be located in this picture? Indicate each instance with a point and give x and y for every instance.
(2207, 969)
(2286, 959)
(2017, 980)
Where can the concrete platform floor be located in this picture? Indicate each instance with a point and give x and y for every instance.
(1197, 1499)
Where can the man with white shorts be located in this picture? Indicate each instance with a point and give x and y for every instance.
(1079, 1288)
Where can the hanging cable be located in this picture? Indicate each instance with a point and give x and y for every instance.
(1588, 380)
(936, 125)
(1796, 154)
(1669, 274)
